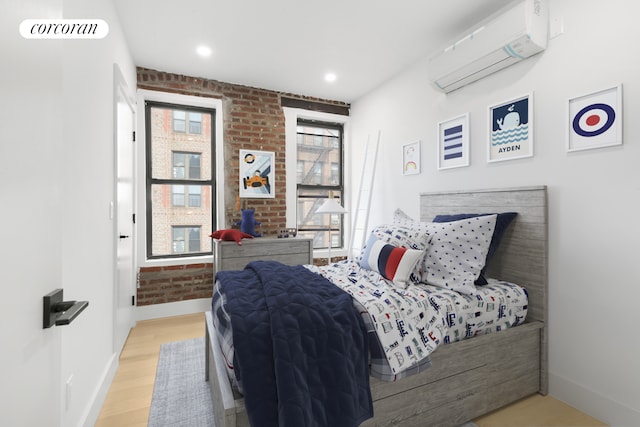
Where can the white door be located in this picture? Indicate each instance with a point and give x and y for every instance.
(125, 284)
(34, 162)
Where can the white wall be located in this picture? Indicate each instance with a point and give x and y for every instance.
(30, 135)
(594, 195)
(57, 110)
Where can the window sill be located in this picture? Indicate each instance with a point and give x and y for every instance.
(323, 253)
(164, 262)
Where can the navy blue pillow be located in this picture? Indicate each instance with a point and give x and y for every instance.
(502, 222)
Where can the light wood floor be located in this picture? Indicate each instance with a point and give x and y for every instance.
(129, 398)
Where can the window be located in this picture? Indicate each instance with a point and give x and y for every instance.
(185, 239)
(180, 191)
(319, 174)
(186, 196)
(181, 118)
(186, 165)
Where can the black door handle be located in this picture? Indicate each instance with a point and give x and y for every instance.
(122, 236)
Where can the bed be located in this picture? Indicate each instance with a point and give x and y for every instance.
(467, 378)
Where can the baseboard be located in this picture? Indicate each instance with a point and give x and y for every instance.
(92, 413)
(170, 309)
(591, 403)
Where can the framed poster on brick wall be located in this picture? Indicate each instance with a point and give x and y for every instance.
(257, 174)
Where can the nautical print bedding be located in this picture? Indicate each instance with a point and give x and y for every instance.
(407, 325)
(496, 306)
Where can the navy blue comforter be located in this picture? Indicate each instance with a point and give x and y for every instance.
(300, 347)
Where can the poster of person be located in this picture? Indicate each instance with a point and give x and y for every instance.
(257, 174)
(511, 129)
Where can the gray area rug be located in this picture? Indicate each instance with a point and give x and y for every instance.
(181, 396)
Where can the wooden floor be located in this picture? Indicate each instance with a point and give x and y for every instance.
(129, 398)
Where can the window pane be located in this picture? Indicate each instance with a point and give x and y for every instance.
(167, 219)
(300, 171)
(166, 140)
(179, 121)
(194, 196)
(195, 122)
(177, 195)
(194, 239)
(316, 226)
(319, 155)
(194, 166)
(178, 165)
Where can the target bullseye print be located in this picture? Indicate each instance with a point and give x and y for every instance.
(595, 120)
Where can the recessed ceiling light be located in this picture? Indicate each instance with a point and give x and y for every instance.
(330, 77)
(203, 50)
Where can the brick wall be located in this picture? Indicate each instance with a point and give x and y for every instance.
(253, 118)
(158, 285)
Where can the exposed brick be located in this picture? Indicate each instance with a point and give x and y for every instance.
(253, 119)
(159, 285)
(173, 267)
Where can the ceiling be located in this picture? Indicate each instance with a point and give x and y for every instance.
(289, 45)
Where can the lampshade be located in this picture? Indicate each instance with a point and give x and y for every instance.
(330, 206)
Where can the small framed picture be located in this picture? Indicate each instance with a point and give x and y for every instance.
(595, 120)
(453, 142)
(411, 158)
(511, 129)
(257, 174)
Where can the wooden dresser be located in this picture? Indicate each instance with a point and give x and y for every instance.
(290, 251)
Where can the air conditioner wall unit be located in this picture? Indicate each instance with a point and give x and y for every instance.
(514, 33)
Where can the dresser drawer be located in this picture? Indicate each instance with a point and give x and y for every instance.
(290, 251)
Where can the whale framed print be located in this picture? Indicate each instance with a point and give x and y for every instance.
(511, 129)
(595, 120)
(453, 142)
(411, 158)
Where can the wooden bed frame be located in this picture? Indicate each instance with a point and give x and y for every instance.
(467, 378)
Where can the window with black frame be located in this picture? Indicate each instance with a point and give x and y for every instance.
(180, 171)
(319, 175)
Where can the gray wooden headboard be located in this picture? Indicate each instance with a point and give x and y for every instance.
(522, 255)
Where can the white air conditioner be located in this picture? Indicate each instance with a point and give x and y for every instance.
(509, 36)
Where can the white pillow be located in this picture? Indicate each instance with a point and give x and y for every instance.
(400, 218)
(457, 253)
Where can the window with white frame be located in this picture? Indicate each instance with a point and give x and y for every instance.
(319, 174)
(180, 179)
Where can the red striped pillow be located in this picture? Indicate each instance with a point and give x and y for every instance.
(392, 262)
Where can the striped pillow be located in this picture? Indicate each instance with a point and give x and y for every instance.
(392, 262)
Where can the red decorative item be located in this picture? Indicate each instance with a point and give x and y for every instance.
(231, 235)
